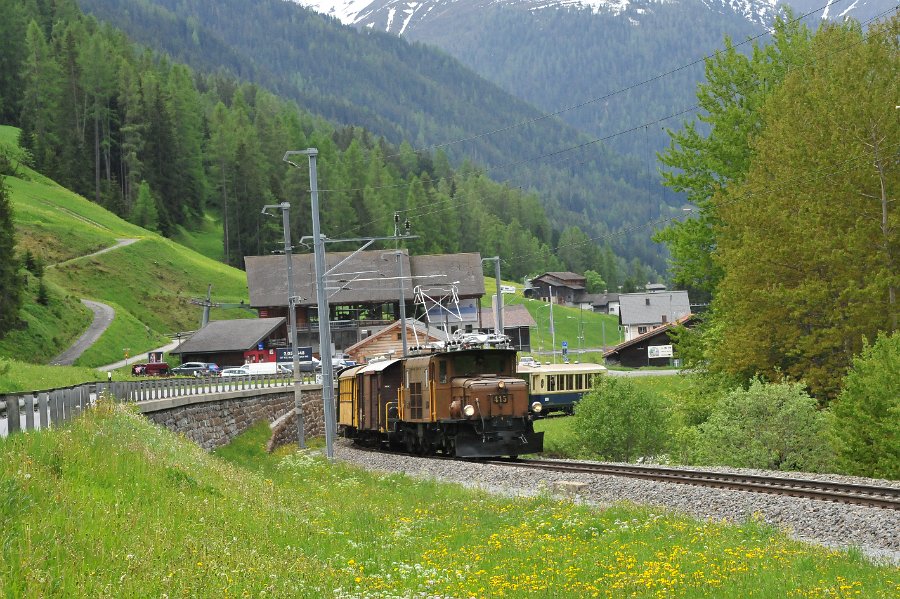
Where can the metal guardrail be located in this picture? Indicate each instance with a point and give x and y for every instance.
(31, 410)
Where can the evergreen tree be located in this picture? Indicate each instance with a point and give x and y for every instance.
(10, 280)
(40, 100)
(145, 214)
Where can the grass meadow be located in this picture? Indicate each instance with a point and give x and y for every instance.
(150, 283)
(114, 506)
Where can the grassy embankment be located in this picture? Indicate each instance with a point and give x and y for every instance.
(149, 283)
(113, 506)
(569, 323)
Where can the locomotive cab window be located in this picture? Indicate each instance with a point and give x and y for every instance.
(442, 371)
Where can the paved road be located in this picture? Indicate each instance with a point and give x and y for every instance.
(138, 358)
(103, 316)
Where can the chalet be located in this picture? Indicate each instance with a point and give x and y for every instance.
(365, 291)
(388, 342)
(604, 303)
(563, 287)
(640, 313)
(648, 349)
(517, 323)
(225, 341)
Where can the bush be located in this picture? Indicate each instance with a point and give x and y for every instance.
(619, 421)
(866, 414)
(775, 426)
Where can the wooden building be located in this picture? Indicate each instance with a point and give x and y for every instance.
(225, 341)
(364, 291)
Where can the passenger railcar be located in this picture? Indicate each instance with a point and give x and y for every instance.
(558, 387)
(465, 401)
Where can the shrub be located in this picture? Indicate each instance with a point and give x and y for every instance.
(619, 421)
(775, 426)
(866, 414)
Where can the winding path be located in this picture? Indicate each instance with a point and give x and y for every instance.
(103, 317)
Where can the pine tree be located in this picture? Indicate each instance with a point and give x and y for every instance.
(144, 213)
(10, 280)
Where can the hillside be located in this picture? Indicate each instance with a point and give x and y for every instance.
(414, 93)
(149, 282)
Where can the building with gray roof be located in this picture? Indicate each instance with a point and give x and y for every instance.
(363, 291)
(640, 313)
(225, 341)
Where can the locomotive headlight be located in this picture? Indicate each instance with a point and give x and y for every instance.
(469, 410)
(501, 384)
(536, 407)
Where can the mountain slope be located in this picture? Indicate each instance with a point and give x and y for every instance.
(563, 53)
(410, 92)
(150, 282)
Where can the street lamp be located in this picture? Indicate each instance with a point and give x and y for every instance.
(292, 315)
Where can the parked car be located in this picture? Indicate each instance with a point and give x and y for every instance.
(195, 369)
(240, 371)
(528, 361)
(151, 369)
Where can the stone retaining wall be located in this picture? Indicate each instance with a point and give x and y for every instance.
(214, 420)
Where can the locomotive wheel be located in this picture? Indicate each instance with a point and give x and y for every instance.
(409, 441)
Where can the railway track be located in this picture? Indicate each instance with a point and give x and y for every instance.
(867, 495)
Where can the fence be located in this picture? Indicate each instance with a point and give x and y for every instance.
(41, 409)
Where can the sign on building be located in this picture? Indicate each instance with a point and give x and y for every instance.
(659, 351)
(283, 354)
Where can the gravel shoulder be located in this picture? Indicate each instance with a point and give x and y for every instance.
(875, 531)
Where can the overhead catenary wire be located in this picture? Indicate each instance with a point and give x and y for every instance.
(411, 212)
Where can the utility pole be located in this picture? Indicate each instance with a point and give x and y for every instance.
(399, 256)
(322, 296)
(498, 323)
(552, 328)
(321, 302)
(292, 316)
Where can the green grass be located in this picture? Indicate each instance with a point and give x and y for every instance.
(46, 330)
(23, 376)
(206, 240)
(149, 282)
(125, 332)
(114, 506)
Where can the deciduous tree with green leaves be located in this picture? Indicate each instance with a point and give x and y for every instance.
(809, 241)
(776, 426)
(701, 165)
(620, 421)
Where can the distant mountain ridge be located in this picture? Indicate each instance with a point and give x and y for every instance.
(403, 17)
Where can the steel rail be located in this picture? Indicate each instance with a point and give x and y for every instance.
(857, 494)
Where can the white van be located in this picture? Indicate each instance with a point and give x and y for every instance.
(267, 368)
(507, 289)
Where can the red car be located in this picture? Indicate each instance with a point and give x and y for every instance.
(151, 369)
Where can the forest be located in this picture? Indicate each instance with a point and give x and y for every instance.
(414, 92)
(161, 144)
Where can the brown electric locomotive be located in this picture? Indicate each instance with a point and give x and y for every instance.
(465, 400)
